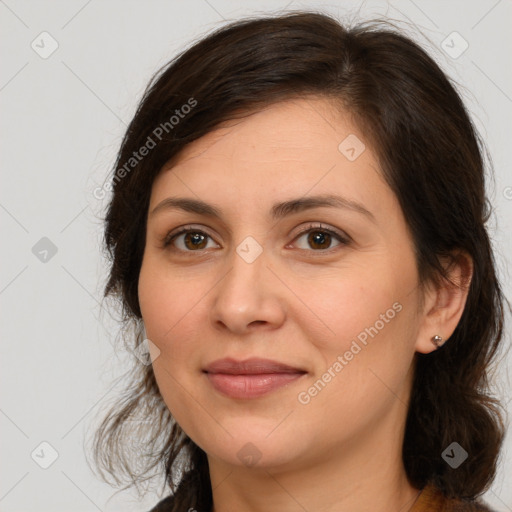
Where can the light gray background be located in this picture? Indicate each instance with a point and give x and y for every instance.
(62, 122)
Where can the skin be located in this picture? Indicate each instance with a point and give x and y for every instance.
(298, 303)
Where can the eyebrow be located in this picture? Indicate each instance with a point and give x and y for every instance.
(278, 210)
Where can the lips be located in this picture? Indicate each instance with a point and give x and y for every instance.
(251, 378)
(251, 366)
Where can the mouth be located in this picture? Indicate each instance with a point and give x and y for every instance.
(251, 378)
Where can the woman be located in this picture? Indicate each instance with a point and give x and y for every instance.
(297, 232)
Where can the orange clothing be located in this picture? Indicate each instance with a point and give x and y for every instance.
(429, 500)
(432, 500)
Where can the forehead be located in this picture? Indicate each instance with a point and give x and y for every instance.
(293, 126)
(289, 149)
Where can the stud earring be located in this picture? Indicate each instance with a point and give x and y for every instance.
(437, 341)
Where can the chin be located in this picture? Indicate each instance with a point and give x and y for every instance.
(254, 449)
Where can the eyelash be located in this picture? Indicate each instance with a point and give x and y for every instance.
(343, 239)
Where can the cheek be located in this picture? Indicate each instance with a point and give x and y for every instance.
(166, 303)
(371, 358)
(167, 306)
(369, 336)
(363, 372)
(352, 303)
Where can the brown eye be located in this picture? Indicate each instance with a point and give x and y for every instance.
(195, 240)
(321, 239)
(188, 240)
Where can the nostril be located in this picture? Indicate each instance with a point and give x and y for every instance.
(257, 322)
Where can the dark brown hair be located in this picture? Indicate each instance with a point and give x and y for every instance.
(432, 158)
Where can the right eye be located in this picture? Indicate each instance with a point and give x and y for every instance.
(187, 240)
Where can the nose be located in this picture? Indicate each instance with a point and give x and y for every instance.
(248, 297)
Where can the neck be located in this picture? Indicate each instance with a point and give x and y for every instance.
(359, 475)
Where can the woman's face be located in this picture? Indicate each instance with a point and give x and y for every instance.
(270, 270)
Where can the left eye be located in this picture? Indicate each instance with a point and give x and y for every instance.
(320, 239)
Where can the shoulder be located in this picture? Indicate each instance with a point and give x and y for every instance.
(432, 498)
(470, 506)
(429, 498)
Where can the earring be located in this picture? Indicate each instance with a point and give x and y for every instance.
(436, 340)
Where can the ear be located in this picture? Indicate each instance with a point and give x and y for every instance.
(443, 306)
